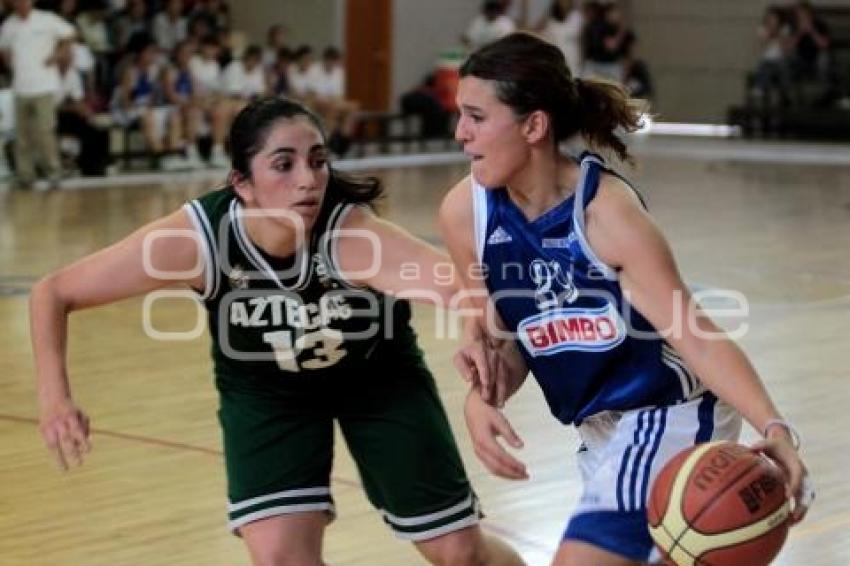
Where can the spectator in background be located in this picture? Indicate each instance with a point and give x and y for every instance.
(169, 26)
(93, 30)
(424, 101)
(132, 21)
(280, 72)
(181, 95)
(75, 117)
(214, 13)
(216, 108)
(301, 75)
(636, 77)
(245, 79)
(489, 25)
(773, 73)
(30, 38)
(562, 26)
(338, 112)
(139, 98)
(67, 10)
(275, 41)
(809, 44)
(607, 40)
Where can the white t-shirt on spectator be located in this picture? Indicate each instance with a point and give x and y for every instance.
(31, 42)
(240, 82)
(303, 82)
(83, 57)
(329, 84)
(482, 32)
(206, 74)
(567, 36)
(168, 33)
(71, 86)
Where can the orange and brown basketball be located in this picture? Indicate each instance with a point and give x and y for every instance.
(719, 503)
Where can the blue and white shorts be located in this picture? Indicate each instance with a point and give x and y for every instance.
(621, 455)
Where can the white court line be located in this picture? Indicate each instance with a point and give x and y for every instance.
(703, 143)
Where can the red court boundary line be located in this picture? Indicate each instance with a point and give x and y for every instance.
(488, 526)
(154, 442)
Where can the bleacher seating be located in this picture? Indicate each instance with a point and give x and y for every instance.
(815, 109)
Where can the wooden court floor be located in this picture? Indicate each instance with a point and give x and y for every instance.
(152, 491)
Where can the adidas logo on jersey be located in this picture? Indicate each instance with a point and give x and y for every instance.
(499, 236)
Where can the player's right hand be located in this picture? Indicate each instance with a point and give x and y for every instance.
(65, 430)
(486, 424)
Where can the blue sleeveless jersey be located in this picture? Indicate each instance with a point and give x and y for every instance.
(588, 348)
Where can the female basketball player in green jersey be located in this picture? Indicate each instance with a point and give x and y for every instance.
(295, 267)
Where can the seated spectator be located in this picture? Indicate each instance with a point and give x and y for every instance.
(245, 79)
(562, 26)
(275, 41)
(489, 25)
(169, 26)
(424, 102)
(94, 32)
(280, 72)
(74, 117)
(301, 75)
(216, 108)
(773, 73)
(181, 96)
(327, 87)
(132, 21)
(67, 10)
(139, 99)
(607, 39)
(214, 13)
(809, 44)
(636, 77)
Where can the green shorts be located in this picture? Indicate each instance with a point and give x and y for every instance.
(279, 450)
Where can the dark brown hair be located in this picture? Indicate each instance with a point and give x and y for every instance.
(531, 74)
(251, 128)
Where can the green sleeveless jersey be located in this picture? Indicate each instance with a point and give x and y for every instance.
(284, 323)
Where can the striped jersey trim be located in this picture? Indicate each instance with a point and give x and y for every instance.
(330, 242)
(212, 270)
(691, 385)
(587, 162)
(479, 212)
(254, 256)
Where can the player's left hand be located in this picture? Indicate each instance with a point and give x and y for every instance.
(779, 447)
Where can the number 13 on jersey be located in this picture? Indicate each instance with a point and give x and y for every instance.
(324, 346)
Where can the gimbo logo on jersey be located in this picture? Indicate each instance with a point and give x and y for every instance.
(557, 330)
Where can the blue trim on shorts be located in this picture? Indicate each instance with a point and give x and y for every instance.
(626, 534)
(648, 471)
(705, 414)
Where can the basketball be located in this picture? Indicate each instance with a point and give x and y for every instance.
(719, 503)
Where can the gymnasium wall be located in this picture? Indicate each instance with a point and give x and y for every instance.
(315, 22)
(698, 51)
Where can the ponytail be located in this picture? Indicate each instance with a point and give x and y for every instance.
(531, 74)
(604, 108)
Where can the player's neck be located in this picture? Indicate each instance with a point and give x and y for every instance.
(273, 237)
(543, 184)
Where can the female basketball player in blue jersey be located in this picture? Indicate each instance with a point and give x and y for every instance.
(581, 276)
(292, 266)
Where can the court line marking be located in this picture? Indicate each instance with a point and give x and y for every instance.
(155, 442)
(496, 529)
